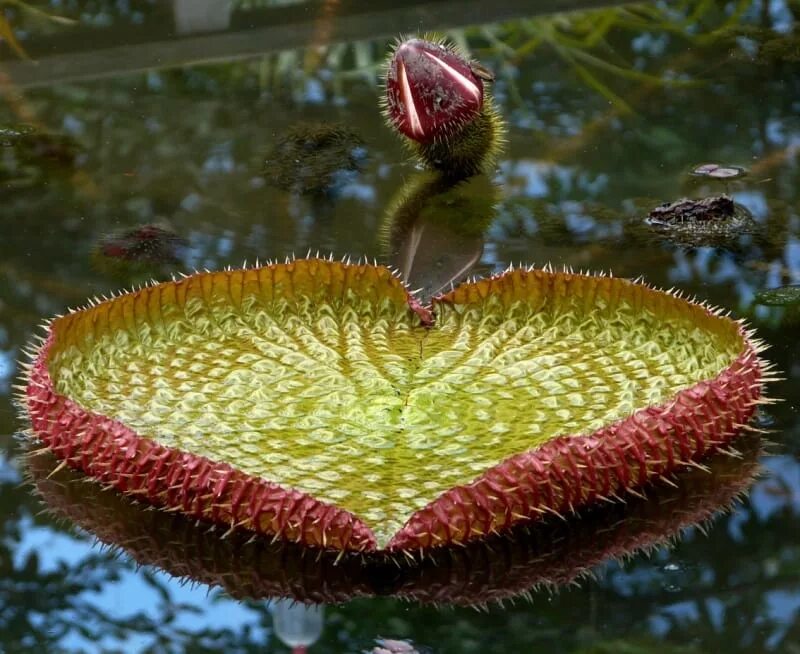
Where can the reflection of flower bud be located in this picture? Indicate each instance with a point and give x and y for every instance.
(139, 254)
(431, 91)
(434, 229)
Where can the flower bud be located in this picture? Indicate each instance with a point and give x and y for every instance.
(431, 91)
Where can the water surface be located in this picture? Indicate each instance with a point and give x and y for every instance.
(609, 110)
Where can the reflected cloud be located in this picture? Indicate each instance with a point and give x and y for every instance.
(7, 369)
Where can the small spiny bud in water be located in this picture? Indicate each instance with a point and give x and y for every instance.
(437, 100)
(431, 91)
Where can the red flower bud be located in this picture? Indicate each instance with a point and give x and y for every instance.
(430, 90)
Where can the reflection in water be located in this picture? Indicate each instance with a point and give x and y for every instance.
(551, 552)
(193, 16)
(434, 229)
(297, 625)
(323, 30)
(29, 154)
(140, 254)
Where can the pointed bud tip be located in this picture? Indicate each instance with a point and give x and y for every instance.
(430, 90)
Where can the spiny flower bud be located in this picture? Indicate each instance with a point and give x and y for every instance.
(431, 91)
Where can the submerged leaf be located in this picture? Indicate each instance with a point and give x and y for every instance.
(782, 296)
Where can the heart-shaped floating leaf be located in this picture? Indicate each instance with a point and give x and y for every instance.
(314, 401)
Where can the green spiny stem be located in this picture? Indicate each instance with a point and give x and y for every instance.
(471, 150)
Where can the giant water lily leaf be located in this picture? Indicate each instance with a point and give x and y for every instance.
(315, 401)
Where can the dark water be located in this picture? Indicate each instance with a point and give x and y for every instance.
(608, 111)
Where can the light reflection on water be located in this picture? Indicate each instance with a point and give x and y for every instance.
(185, 146)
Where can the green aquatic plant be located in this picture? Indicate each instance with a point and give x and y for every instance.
(583, 40)
(320, 403)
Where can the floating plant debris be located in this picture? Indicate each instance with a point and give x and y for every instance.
(33, 145)
(715, 221)
(550, 552)
(28, 153)
(10, 135)
(394, 646)
(782, 296)
(139, 254)
(318, 402)
(716, 171)
(155, 244)
(693, 211)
